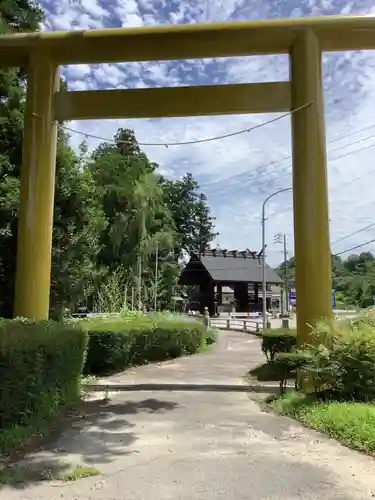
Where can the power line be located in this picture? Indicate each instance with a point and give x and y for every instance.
(245, 172)
(355, 248)
(352, 234)
(289, 157)
(196, 141)
(232, 134)
(290, 166)
(370, 172)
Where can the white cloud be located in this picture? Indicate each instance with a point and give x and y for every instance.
(349, 80)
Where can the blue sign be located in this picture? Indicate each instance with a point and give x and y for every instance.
(333, 299)
(293, 296)
(373, 298)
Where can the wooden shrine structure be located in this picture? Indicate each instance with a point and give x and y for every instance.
(241, 270)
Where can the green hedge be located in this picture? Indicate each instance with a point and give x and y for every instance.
(278, 340)
(339, 362)
(118, 343)
(40, 368)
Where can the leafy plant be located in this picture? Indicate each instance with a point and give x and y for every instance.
(40, 370)
(121, 342)
(343, 362)
(276, 341)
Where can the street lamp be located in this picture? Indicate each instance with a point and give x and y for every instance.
(264, 282)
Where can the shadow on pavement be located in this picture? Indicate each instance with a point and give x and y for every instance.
(266, 389)
(96, 431)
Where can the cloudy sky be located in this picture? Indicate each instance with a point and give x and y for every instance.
(238, 173)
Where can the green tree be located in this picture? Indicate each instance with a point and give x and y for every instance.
(353, 279)
(78, 224)
(15, 16)
(138, 220)
(192, 216)
(113, 211)
(78, 220)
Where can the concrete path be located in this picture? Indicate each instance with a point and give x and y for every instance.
(196, 434)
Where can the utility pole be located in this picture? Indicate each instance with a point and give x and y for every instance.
(264, 281)
(156, 275)
(139, 263)
(286, 284)
(279, 238)
(139, 281)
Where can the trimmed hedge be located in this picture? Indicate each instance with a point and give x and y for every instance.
(277, 341)
(118, 343)
(40, 368)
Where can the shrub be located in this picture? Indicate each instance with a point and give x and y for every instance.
(283, 368)
(289, 364)
(211, 336)
(343, 360)
(278, 340)
(118, 343)
(339, 362)
(40, 367)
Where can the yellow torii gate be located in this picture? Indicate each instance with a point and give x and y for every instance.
(303, 39)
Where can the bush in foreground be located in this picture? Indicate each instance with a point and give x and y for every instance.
(278, 340)
(341, 361)
(40, 368)
(339, 368)
(118, 343)
(351, 423)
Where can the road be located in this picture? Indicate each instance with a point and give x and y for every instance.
(190, 429)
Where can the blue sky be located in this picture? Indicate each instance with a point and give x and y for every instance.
(238, 173)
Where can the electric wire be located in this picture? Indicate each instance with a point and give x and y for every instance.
(355, 247)
(353, 233)
(289, 157)
(167, 144)
(244, 184)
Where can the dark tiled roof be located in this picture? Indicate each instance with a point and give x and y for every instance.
(231, 266)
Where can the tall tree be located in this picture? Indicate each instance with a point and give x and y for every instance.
(113, 211)
(138, 220)
(78, 220)
(192, 216)
(78, 224)
(15, 16)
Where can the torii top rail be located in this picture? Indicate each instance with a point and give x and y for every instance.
(228, 39)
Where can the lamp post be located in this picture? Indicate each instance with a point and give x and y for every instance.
(156, 277)
(264, 282)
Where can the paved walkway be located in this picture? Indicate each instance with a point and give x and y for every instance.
(197, 434)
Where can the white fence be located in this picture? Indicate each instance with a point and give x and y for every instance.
(232, 323)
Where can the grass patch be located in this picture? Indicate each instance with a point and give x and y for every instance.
(78, 472)
(18, 475)
(351, 423)
(12, 476)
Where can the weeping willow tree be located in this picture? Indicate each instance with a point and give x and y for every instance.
(145, 228)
